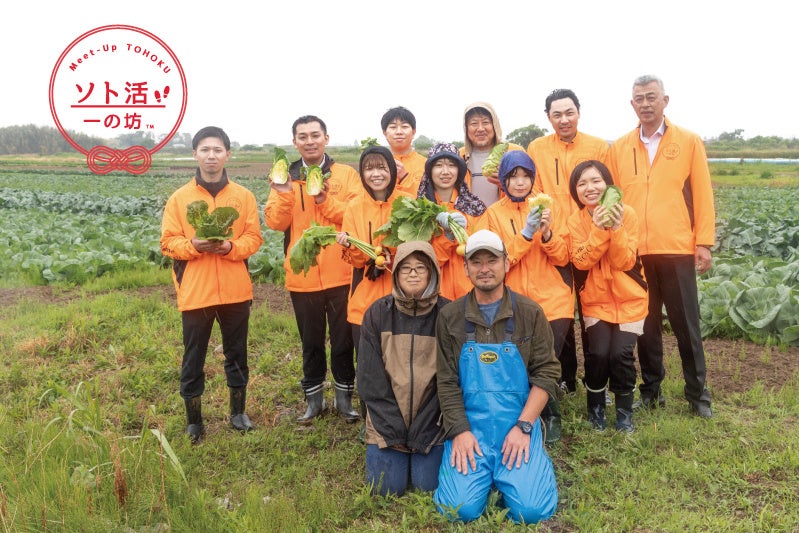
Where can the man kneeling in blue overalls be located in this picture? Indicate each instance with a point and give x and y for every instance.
(496, 371)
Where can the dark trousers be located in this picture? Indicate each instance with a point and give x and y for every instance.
(672, 282)
(390, 471)
(197, 325)
(610, 359)
(314, 311)
(356, 337)
(561, 329)
(568, 354)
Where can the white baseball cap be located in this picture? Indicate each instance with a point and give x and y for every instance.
(484, 240)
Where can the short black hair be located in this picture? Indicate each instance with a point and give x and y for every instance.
(401, 113)
(210, 131)
(582, 167)
(560, 94)
(306, 119)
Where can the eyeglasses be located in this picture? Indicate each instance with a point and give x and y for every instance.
(419, 270)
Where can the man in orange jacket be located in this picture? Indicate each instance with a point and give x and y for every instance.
(555, 156)
(663, 172)
(211, 277)
(319, 296)
(399, 128)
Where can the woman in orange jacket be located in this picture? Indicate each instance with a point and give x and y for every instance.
(363, 216)
(444, 183)
(539, 257)
(604, 242)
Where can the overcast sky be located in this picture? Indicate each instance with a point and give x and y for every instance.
(254, 67)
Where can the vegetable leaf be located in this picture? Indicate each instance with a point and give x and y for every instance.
(214, 226)
(303, 254)
(279, 173)
(611, 196)
(491, 165)
(410, 220)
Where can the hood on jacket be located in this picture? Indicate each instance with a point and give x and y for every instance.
(466, 202)
(386, 154)
(445, 150)
(467, 144)
(509, 162)
(424, 251)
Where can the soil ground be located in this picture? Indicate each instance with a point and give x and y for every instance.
(733, 366)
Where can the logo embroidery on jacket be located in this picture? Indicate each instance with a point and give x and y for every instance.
(671, 151)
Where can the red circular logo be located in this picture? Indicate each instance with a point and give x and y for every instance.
(113, 80)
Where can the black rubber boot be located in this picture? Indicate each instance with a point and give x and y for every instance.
(343, 402)
(550, 419)
(596, 409)
(194, 416)
(316, 404)
(238, 419)
(624, 412)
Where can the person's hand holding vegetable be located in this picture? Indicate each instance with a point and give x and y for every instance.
(279, 178)
(341, 238)
(546, 225)
(322, 196)
(444, 218)
(605, 218)
(212, 246)
(532, 224)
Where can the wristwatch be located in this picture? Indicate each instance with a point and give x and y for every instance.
(525, 426)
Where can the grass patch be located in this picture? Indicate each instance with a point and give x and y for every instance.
(92, 433)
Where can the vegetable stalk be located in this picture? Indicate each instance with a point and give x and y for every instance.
(459, 232)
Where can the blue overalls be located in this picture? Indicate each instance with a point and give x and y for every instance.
(493, 378)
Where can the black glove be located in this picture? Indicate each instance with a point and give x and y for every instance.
(371, 272)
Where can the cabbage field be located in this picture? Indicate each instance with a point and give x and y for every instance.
(68, 228)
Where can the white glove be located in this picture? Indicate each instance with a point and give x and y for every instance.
(443, 219)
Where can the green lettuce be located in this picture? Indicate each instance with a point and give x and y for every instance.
(214, 226)
(279, 173)
(314, 179)
(609, 199)
(491, 165)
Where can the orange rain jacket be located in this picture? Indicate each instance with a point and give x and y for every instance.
(204, 279)
(554, 161)
(538, 269)
(414, 165)
(673, 196)
(293, 212)
(615, 290)
(364, 215)
(454, 281)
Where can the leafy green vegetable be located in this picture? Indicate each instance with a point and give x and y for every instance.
(491, 165)
(214, 226)
(410, 220)
(279, 173)
(314, 179)
(611, 196)
(303, 254)
(366, 143)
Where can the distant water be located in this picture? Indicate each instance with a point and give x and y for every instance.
(775, 161)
